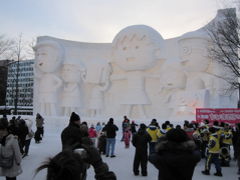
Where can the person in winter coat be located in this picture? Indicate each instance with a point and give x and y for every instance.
(59, 168)
(73, 135)
(92, 134)
(22, 133)
(98, 128)
(127, 137)
(4, 120)
(133, 127)
(213, 153)
(140, 141)
(175, 156)
(29, 137)
(153, 131)
(189, 130)
(110, 130)
(125, 124)
(102, 142)
(13, 127)
(8, 147)
(40, 129)
(236, 141)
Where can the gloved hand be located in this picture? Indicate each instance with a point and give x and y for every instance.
(100, 168)
(94, 157)
(104, 173)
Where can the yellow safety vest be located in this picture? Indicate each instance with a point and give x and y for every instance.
(227, 137)
(160, 134)
(216, 147)
(220, 132)
(154, 134)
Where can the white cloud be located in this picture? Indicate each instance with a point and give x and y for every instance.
(101, 20)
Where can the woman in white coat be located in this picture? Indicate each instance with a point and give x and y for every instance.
(9, 146)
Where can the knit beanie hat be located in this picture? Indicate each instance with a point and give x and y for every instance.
(110, 121)
(142, 126)
(177, 135)
(74, 117)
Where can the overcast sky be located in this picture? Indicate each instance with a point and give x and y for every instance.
(101, 20)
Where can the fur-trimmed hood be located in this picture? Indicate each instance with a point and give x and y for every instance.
(175, 160)
(166, 145)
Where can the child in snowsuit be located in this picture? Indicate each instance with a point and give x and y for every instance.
(92, 133)
(127, 137)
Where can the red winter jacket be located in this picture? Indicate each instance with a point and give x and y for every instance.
(92, 132)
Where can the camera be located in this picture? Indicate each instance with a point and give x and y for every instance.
(82, 152)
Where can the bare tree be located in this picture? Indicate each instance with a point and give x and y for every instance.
(18, 54)
(224, 34)
(6, 46)
(17, 49)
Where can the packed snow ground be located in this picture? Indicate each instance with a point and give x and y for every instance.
(121, 164)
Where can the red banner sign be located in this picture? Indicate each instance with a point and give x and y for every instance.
(228, 115)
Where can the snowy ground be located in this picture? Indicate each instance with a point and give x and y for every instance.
(121, 165)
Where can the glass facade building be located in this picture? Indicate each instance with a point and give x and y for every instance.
(20, 79)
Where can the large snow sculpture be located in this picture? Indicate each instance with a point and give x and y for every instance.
(71, 95)
(49, 57)
(195, 63)
(136, 49)
(139, 75)
(172, 85)
(98, 74)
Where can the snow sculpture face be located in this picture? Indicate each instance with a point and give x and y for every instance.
(193, 53)
(71, 73)
(136, 48)
(48, 56)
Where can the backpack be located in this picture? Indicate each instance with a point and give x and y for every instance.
(6, 162)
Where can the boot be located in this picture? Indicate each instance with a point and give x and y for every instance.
(218, 173)
(206, 172)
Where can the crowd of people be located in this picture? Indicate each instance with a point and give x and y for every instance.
(15, 139)
(173, 150)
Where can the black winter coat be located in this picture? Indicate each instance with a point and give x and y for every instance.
(140, 141)
(22, 132)
(175, 161)
(110, 130)
(72, 137)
